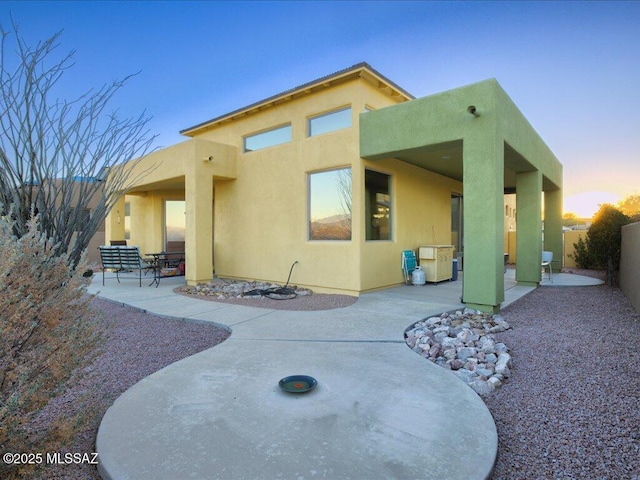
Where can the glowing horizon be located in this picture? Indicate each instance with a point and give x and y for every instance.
(586, 204)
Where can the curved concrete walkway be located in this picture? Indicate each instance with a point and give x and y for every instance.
(380, 411)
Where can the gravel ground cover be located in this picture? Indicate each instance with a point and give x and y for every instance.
(571, 407)
(136, 345)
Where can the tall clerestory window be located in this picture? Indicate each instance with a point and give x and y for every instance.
(330, 205)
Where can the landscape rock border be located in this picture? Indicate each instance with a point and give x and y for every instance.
(234, 292)
(463, 341)
(243, 289)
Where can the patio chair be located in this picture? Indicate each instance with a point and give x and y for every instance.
(547, 258)
(408, 264)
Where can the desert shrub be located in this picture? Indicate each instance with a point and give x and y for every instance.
(601, 250)
(46, 332)
(581, 254)
(604, 237)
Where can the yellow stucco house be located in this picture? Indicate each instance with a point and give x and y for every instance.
(341, 175)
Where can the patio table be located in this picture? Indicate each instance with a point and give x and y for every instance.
(163, 260)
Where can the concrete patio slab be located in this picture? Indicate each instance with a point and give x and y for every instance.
(569, 280)
(380, 411)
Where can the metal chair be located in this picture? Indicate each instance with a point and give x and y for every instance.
(547, 258)
(408, 264)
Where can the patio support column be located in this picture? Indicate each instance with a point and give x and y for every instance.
(529, 227)
(483, 177)
(199, 227)
(114, 223)
(553, 226)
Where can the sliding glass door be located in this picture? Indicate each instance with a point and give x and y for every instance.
(174, 225)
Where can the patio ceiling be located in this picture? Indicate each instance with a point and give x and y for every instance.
(176, 183)
(446, 159)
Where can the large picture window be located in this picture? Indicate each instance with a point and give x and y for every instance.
(330, 205)
(268, 138)
(328, 122)
(377, 205)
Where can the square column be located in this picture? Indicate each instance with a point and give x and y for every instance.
(553, 226)
(114, 223)
(529, 227)
(483, 178)
(199, 227)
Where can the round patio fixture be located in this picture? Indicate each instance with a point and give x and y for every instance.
(297, 383)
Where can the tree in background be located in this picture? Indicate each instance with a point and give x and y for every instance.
(56, 156)
(601, 249)
(570, 219)
(630, 206)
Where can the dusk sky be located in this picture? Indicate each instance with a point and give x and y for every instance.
(573, 68)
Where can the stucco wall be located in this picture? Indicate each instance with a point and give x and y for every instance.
(630, 264)
(261, 205)
(261, 218)
(422, 216)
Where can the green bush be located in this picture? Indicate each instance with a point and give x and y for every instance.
(46, 332)
(601, 250)
(581, 254)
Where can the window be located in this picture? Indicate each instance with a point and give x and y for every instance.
(81, 220)
(330, 205)
(127, 220)
(328, 122)
(268, 138)
(457, 230)
(377, 205)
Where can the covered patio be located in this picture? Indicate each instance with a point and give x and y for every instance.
(186, 172)
(476, 135)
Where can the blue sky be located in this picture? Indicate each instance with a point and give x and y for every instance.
(573, 68)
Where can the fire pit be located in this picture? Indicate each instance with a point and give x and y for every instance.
(297, 383)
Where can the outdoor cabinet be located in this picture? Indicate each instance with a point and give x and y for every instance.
(437, 262)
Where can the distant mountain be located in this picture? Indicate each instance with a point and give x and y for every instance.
(335, 227)
(340, 218)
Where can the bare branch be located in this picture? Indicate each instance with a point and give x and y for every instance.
(54, 154)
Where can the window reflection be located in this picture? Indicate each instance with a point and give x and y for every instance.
(127, 220)
(330, 205)
(329, 122)
(175, 225)
(269, 138)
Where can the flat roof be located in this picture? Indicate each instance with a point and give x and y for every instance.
(359, 70)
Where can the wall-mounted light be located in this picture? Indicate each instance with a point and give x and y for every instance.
(473, 111)
(208, 159)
